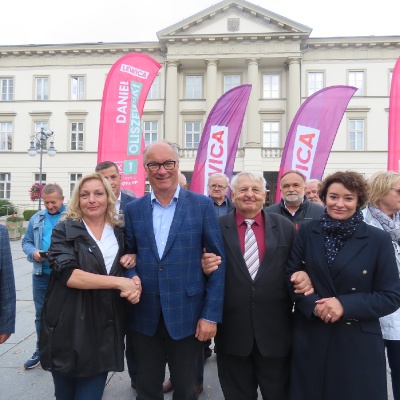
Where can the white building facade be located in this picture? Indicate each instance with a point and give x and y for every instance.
(60, 87)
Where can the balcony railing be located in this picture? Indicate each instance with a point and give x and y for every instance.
(266, 152)
(192, 153)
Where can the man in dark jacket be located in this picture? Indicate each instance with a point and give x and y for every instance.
(294, 204)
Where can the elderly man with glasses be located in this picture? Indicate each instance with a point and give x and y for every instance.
(218, 185)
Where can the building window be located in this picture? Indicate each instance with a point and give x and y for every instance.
(154, 92)
(315, 82)
(150, 129)
(231, 81)
(271, 86)
(76, 136)
(5, 136)
(37, 178)
(192, 134)
(356, 134)
(42, 88)
(5, 185)
(193, 87)
(7, 89)
(271, 134)
(73, 179)
(77, 87)
(356, 79)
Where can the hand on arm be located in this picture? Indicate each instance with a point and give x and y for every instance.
(128, 261)
(302, 283)
(329, 309)
(210, 262)
(130, 288)
(205, 330)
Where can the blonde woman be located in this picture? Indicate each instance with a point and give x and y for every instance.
(83, 321)
(383, 211)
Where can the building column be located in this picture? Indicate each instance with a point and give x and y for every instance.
(171, 132)
(211, 89)
(294, 90)
(253, 121)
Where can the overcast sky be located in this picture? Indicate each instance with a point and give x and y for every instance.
(81, 21)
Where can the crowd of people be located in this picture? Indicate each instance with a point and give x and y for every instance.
(301, 298)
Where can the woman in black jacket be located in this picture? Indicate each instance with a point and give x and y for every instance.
(83, 323)
(338, 351)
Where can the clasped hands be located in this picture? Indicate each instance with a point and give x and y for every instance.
(131, 289)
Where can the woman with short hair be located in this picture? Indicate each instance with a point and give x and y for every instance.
(338, 351)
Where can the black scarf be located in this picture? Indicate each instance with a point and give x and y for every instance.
(336, 233)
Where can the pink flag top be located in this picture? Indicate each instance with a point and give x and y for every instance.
(312, 132)
(394, 121)
(220, 138)
(120, 137)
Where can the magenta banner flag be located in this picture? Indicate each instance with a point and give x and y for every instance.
(312, 132)
(394, 121)
(220, 138)
(120, 137)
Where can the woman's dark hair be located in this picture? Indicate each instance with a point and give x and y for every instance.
(352, 181)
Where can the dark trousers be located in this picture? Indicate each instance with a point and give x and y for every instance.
(152, 353)
(130, 357)
(241, 376)
(393, 355)
(67, 388)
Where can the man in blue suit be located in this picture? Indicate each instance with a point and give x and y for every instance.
(180, 306)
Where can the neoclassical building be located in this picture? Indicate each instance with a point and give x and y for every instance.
(59, 88)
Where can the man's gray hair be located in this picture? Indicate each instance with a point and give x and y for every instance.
(254, 176)
(313, 181)
(218, 175)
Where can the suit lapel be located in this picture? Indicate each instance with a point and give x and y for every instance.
(179, 215)
(148, 210)
(232, 244)
(322, 269)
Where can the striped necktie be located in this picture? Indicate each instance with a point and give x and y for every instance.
(251, 249)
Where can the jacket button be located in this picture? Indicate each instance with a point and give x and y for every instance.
(160, 268)
(253, 288)
(348, 323)
(365, 272)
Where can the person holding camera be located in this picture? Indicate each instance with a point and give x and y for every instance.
(35, 244)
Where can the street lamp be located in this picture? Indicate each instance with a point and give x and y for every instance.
(39, 140)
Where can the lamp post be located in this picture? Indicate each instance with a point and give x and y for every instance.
(39, 140)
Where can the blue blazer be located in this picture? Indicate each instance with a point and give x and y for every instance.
(7, 285)
(125, 199)
(175, 284)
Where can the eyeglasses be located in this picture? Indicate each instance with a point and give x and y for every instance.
(155, 166)
(397, 190)
(215, 187)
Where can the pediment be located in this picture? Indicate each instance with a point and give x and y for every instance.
(234, 18)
